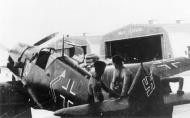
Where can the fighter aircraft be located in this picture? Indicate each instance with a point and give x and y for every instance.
(44, 81)
(17, 96)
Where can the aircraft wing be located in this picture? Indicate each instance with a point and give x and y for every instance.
(115, 105)
(171, 67)
(174, 99)
(108, 106)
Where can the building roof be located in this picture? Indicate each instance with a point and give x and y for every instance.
(139, 30)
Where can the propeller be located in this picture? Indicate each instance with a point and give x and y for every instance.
(45, 39)
(36, 44)
(2, 47)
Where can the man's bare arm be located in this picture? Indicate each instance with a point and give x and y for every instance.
(109, 90)
(176, 79)
(126, 82)
(104, 87)
(113, 81)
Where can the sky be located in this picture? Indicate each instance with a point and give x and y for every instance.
(30, 20)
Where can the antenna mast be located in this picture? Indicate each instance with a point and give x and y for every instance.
(63, 47)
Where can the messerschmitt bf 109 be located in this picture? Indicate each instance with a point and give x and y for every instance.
(44, 81)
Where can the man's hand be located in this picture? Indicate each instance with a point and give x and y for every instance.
(113, 94)
(180, 92)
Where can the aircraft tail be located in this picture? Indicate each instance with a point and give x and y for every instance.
(144, 93)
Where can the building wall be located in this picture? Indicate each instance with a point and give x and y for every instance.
(139, 30)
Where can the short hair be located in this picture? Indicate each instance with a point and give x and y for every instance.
(117, 59)
(99, 64)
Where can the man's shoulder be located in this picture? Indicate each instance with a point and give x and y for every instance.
(127, 70)
(92, 79)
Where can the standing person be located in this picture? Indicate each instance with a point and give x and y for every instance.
(96, 85)
(122, 77)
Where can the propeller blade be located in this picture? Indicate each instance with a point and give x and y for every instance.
(14, 51)
(2, 47)
(45, 39)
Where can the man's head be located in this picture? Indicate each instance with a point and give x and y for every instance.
(99, 67)
(91, 58)
(117, 61)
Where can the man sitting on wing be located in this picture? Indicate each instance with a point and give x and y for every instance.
(96, 85)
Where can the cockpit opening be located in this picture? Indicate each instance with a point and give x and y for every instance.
(42, 59)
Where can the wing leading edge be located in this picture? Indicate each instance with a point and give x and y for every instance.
(98, 109)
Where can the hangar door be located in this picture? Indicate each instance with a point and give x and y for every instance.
(135, 50)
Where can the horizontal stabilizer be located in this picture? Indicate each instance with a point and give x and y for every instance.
(174, 99)
(110, 105)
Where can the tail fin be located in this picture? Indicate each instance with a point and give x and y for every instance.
(144, 92)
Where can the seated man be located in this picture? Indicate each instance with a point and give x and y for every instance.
(122, 77)
(96, 85)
